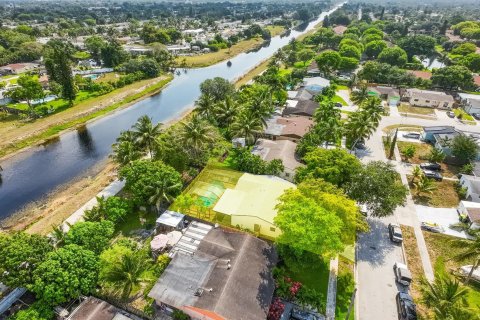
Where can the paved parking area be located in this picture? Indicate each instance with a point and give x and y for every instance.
(442, 216)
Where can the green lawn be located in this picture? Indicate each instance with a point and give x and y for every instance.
(444, 196)
(339, 99)
(313, 275)
(342, 87)
(58, 104)
(465, 116)
(345, 287)
(405, 108)
(132, 222)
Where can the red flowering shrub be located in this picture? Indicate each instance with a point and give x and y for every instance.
(276, 309)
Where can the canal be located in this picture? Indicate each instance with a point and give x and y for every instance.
(31, 175)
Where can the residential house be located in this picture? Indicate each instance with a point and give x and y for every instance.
(227, 277)
(472, 186)
(18, 68)
(94, 308)
(251, 203)
(476, 80)
(304, 108)
(470, 211)
(291, 128)
(428, 133)
(470, 102)
(427, 98)
(283, 150)
(315, 84)
(389, 94)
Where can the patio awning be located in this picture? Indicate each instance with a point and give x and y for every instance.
(170, 218)
(161, 241)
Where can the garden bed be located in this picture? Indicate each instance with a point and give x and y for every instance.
(409, 109)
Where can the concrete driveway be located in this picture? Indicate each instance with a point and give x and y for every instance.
(442, 216)
(377, 288)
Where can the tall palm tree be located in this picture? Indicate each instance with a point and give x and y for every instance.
(145, 133)
(127, 273)
(196, 134)
(205, 105)
(247, 125)
(417, 173)
(373, 107)
(163, 191)
(444, 295)
(57, 236)
(225, 112)
(359, 126)
(424, 185)
(360, 95)
(125, 152)
(471, 251)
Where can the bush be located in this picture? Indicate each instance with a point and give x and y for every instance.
(180, 315)
(245, 161)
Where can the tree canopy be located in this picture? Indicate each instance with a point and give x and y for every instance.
(94, 236)
(66, 273)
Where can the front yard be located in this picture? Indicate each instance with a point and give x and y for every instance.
(409, 109)
(442, 255)
(444, 195)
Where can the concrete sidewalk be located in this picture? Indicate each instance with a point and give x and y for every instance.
(332, 290)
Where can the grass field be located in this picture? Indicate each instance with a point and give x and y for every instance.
(414, 264)
(339, 99)
(464, 116)
(345, 287)
(252, 74)
(422, 150)
(207, 59)
(46, 128)
(404, 127)
(405, 108)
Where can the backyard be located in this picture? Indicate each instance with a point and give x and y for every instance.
(204, 192)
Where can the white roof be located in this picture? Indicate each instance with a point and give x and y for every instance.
(292, 94)
(316, 81)
(292, 103)
(470, 204)
(170, 218)
(469, 96)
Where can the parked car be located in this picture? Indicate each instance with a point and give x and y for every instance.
(476, 116)
(433, 175)
(338, 105)
(412, 135)
(360, 146)
(431, 166)
(402, 274)
(395, 232)
(407, 310)
(450, 114)
(432, 227)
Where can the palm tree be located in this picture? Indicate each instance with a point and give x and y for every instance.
(145, 133)
(444, 295)
(247, 125)
(127, 273)
(360, 95)
(373, 107)
(424, 185)
(205, 105)
(163, 191)
(417, 173)
(196, 134)
(225, 112)
(471, 251)
(359, 126)
(57, 236)
(125, 152)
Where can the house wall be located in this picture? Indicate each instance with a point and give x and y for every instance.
(470, 196)
(421, 102)
(471, 109)
(256, 225)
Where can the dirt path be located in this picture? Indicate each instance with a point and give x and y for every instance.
(15, 131)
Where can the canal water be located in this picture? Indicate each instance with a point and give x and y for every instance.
(31, 175)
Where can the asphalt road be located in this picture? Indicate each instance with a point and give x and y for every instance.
(377, 288)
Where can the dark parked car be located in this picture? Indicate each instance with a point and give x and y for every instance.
(431, 166)
(407, 310)
(451, 114)
(412, 135)
(433, 175)
(476, 116)
(395, 232)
